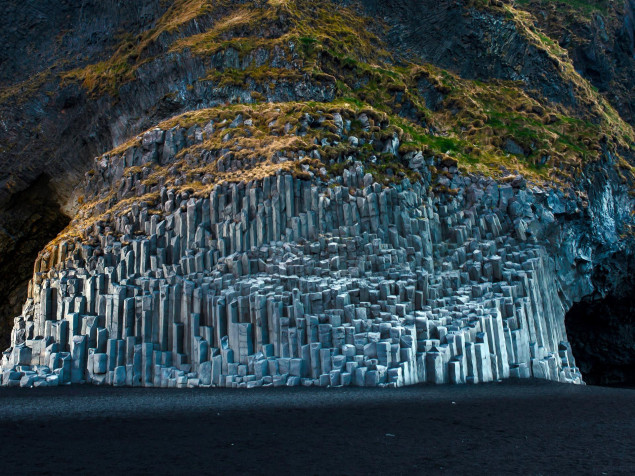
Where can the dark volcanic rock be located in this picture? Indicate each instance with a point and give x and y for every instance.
(601, 45)
(475, 43)
(30, 219)
(56, 127)
(51, 127)
(601, 327)
(41, 34)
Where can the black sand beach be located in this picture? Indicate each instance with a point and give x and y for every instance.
(531, 427)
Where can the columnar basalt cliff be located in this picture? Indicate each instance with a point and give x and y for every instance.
(294, 280)
(329, 206)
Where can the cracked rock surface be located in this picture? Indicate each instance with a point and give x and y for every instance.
(291, 281)
(326, 193)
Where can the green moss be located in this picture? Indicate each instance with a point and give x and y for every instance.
(322, 42)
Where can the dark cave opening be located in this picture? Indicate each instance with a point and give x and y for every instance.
(30, 219)
(601, 331)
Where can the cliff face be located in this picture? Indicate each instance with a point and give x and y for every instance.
(47, 135)
(272, 279)
(600, 39)
(337, 149)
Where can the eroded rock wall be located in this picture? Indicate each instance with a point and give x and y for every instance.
(54, 123)
(284, 281)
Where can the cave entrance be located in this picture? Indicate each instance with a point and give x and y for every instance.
(601, 331)
(28, 221)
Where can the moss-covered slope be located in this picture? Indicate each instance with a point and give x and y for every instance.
(485, 125)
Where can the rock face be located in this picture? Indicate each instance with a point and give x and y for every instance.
(41, 40)
(288, 281)
(31, 213)
(482, 44)
(313, 286)
(271, 227)
(600, 40)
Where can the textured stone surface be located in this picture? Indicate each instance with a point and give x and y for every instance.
(310, 277)
(307, 285)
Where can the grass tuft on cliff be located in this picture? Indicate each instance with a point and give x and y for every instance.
(492, 127)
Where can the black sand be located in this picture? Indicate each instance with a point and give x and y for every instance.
(509, 428)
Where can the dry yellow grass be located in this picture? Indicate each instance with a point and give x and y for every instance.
(207, 42)
(108, 75)
(593, 101)
(335, 43)
(310, 26)
(182, 11)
